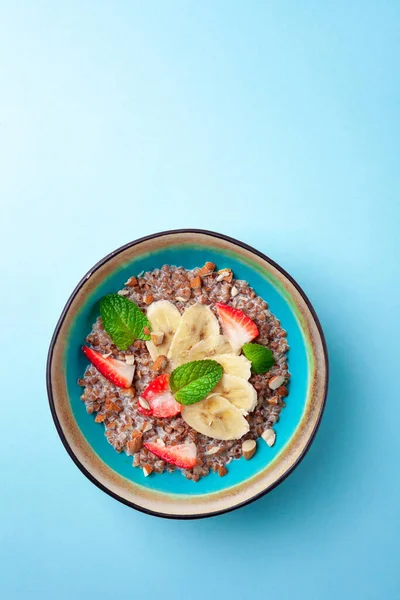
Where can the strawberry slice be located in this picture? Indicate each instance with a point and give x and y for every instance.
(238, 327)
(181, 455)
(116, 371)
(161, 400)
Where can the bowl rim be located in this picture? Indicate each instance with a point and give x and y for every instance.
(60, 321)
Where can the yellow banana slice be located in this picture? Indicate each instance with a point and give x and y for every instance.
(216, 418)
(238, 391)
(198, 323)
(164, 318)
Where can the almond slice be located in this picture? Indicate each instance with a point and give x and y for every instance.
(225, 275)
(274, 400)
(207, 269)
(146, 427)
(160, 363)
(276, 382)
(129, 359)
(157, 337)
(269, 436)
(149, 299)
(234, 291)
(147, 469)
(249, 448)
(195, 283)
(132, 281)
(211, 451)
(144, 404)
(123, 292)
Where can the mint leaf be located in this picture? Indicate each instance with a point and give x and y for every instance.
(192, 381)
(261, 357)
(123, 320)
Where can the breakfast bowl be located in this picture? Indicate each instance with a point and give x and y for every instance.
(176, 306)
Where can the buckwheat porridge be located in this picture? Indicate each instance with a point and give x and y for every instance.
(188, 370)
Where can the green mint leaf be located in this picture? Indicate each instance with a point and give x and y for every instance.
(192, 381)
(123, 320)
(261, 357)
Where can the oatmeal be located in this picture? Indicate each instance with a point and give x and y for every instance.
(207, 316)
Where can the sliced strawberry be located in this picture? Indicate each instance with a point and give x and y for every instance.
(238, 327)
(161, 400)
(116, 371)
(181, 455)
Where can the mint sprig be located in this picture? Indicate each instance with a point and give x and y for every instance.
(123, 320)
(192, 381)
(261, 357)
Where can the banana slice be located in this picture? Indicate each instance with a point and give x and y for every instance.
(238, 391)
(217, 418)
(234, 365)
(198, 323)
(164, 317)
(208, 348)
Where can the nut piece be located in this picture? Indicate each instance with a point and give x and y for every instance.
(147, 426)
(149, 299)
(128, 392)
(276, 382)
(269, 436)
(225, 275)
(157, 337)
(144, 404)
(109, 404)
(100, 418)
(274, 400)
(211, 451)
(181, 299)
(129, 359)
(207, 269)
(234, 291)
(160, 363)
(222, 471)
(147, 469)
(135, 443)
(146, 330)
(249, 448)
(183, 295)
(282, 391)
(132, 281)
(195, 283)
(123, 292)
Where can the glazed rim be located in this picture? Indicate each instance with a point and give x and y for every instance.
(186, 506)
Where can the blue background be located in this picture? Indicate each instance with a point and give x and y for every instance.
(276, 123)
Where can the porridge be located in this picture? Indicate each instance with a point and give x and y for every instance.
(188, 370)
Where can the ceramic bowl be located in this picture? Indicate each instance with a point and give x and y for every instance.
(170, 494)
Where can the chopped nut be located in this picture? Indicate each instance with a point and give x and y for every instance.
(107, 355)
(110, 405)
(157, 337)
(181, 299)
(195, 283)
(222, 471)
(160, 442)
(146, 330)
(148, 299)
(183, 295)
(146, 427)
(282, 391)
(135, 443)
(132, 281)
(211, 451)
(249, 448)
(128, 392)
(147, 469)
(130, 359)
(160, 363)
(123, 292)
(269, 436)
(225, 275)
(274, 400)
(100, 418)
(144, 404)
(234, 291)
(207, 269)
(276, 382)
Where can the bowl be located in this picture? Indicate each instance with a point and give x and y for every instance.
(170, 494)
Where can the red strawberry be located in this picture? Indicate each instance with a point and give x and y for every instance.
(160, 398)
(181, 455)
(116, 371)
(238, 327)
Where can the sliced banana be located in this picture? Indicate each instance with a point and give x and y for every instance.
(198, 323)
(238, 391)
(208, 348)
(234, 365)
(164, 317)
(217, 418)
